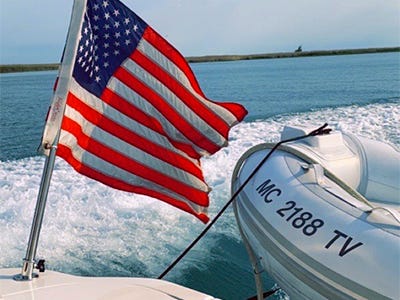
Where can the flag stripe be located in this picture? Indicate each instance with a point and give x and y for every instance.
(188, 131)
(177, 104)
(122, 90)
(66, 153)
(120, 104)
(126, 141)
(189, 99)
(123, 162)
(112, 172)
(169, 51)
(230, 112)
(130, 116)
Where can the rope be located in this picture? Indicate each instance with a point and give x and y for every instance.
(318, 131)
(266, 294)
(391, 211)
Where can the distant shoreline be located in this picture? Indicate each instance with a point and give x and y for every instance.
(213, 58)
(216, 58)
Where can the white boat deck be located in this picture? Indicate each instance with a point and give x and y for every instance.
(55, 285)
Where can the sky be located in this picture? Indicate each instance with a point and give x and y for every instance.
(34, 31)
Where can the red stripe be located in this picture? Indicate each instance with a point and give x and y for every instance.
(203, 112)
(132, 138)
(236, 109)
(158, 42)
(128, 109)
(66, 154)
(131, 166)
(191, 133)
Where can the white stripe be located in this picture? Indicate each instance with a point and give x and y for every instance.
(134, 153)
(179, 106)
(112, 171)
(123, 120)
(160, 59)
(135, 99)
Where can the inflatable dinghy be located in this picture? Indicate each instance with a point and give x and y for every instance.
(322, 215)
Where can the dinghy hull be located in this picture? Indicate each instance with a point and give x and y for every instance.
(312, 233)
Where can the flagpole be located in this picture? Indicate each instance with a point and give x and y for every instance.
(29, 260)
(51, 136)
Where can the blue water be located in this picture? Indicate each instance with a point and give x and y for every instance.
(90, 229)
(24, 100)
(282, 86)
(265, 87)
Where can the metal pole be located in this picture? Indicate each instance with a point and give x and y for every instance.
(61, 92)
(29, 260)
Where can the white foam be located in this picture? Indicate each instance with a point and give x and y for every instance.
(85, 219)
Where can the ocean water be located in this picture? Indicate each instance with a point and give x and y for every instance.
(90, 229)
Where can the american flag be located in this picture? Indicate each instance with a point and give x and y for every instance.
(131, 112)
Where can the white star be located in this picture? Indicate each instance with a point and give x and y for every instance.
(116, 52)
(127, 42)
(127, 31)
(105, 3)
(106, 16)
(126, 21)
(106, 26)
(117, 35)
(97, 79)
(116, 24)
(106, 36)
(96, 17)
(106, 54)
(106, 64)
(116, 13)
(106, 45)
(135, 27)
(96, 6)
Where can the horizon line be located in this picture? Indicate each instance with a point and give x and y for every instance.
(10, 68)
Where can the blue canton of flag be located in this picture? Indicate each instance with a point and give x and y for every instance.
(110, 32)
